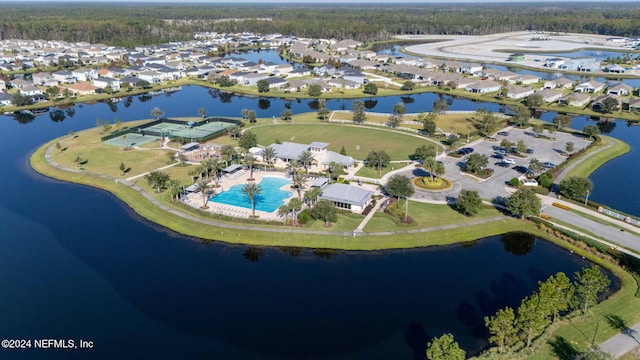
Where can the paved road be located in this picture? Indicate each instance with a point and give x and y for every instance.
(622, 343)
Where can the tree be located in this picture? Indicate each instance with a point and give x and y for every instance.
(399, 186)
(306, 159)
(286, 114)
(453, 140)
(18, 99)
(575, 187)
(506, 144)
(202, 112)
(250, 160)
(143, 84)
(248, 140)
(263, 86)
(370, 88)
(468, 202)
(335, 170)
(251, 190)
(532, 317)
(234, 131)
(268, 154)
(252, 116)
(122, 168)
(534, 100)
(314, 90)
(424, 152)
(408, 85)
(538, 129)
(556, 292)
(325, 211)
(589, 284)
(569, 147)
(435, 168)
(475, 162)
(609, 105)
(311, 196)
(378, 159)
(440, 106)
(561, 120)
(399, 109)
(244, 113)
(203, 188)
(52, 93)
(158, 180)
(298, 181)
(591, 131)
(156, 113)
(58, 147)
(106, 126)
(358, 112)
(502, 328)
(444, 348)
(536, 166)
(394, 120)
(594, 353)
(117, 122)
(295, 205)
(521, 115)
(521, 146)
(523, 203)
(486, 121)
(322, 109)
(283, 211)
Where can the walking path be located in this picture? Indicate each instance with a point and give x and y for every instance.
(567, 169)
(623, 343)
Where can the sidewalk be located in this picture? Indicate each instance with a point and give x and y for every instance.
(622, 343)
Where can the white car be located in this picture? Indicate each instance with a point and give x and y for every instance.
(509, 161)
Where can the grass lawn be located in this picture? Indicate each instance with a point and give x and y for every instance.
(373, 173)
(357, 140)
(426, 215)
(346, 222)
(106, 159)
(586, 168)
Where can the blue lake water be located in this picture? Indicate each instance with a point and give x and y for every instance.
(269, 200)
(79, 264)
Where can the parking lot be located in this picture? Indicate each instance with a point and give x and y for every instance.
(542, 149)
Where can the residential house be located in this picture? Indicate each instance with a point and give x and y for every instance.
(620, 89)
(325, 70)
(19, 83)
(276, 82)
(153, 77)
(527, 79)
(550, 95)
(284, 69)
(348, 197)
(559, 83)
(634, 104)
(3, 85)
(343, 83)
(614, 68)
(471, 68)
(84, 74)
(355, 76)
(297, 85)
(44, 79)
(482, 87)
(5, 99)
(598, 103)
(64, 76)
(518, 92)
(104, 82)
(82, 88)
(575, 99)
(30, 90)
(251, 79)
(590, 87)
(303, 71)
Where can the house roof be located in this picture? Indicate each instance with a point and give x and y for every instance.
(346, 194)
(289, 150)
(338, 158)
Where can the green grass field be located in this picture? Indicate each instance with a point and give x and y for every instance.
(586, 168)
(358, 141)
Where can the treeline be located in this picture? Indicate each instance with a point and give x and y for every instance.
(136, 24)
(511, 329)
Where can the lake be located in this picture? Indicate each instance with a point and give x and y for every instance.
(78, 264)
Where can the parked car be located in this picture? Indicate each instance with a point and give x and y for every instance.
(503, 133)
(548, 165)
(529, 151)
(523, 170)
(466, 150)
(497, 156)
(509, 161)
(502, 164)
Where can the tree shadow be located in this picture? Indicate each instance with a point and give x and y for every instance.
(619, 324)
(253, 254)
(417, 338)
(563, 349)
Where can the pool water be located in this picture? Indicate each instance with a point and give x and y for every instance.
(270, 199)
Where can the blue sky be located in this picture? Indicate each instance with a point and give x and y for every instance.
(325, 1)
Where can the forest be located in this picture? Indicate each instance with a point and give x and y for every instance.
(136, 23)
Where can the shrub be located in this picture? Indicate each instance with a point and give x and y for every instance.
(545, 180)
(514, 182)
(561, 206)
(304, 216)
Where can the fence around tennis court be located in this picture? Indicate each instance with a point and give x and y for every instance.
(202, 130)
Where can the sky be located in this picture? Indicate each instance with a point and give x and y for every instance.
(322, 1)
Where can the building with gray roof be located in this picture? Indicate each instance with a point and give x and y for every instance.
(348, 197)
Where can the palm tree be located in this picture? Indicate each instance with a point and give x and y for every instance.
(283, 211)
(251, 190)
(335, 169)
(250, 160)
(213, 164)
(299, 180)
(306, 159)
(244, 113)
(202, 112)
(294, 166)
(295, 205)
(156, 113)
(268, 154)
(311, 196)
(203, 188)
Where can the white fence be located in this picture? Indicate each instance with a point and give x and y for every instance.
(618, 216)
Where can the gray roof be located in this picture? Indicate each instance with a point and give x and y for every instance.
(321, 181)
(318, 144)
(289, 150)
(346, 194)
(190, 146)
(231, 168)
(339, 158)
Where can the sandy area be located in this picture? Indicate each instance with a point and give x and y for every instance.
(485, 48)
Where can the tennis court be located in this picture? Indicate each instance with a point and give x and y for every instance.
(131, 140)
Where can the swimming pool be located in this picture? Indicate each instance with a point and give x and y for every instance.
(270, 199)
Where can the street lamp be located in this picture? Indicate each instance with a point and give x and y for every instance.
(586, 199)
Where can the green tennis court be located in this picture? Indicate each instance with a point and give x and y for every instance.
(131, 140)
